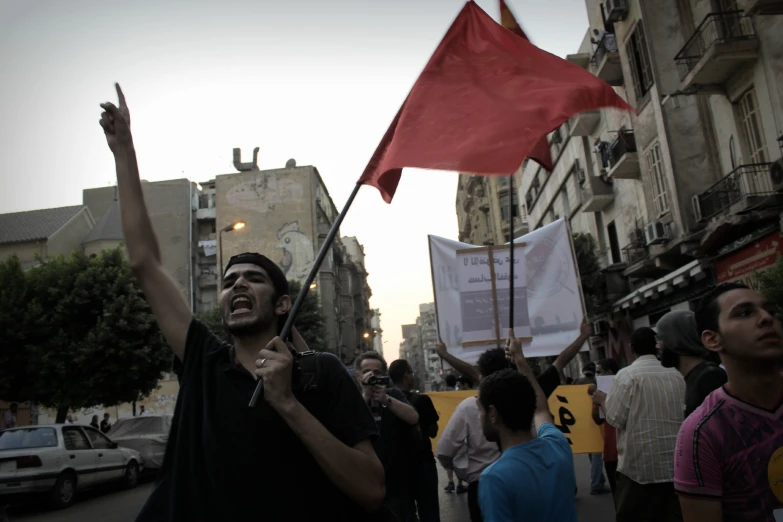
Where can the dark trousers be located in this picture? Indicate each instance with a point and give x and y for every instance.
(425, 491)
(473, 503)
(636, 502)
(401, 506)
(611, 474)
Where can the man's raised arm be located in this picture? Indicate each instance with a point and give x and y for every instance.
(162, 292)
(514, 353)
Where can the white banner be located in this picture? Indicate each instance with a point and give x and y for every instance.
(554, 300)
(484, 287)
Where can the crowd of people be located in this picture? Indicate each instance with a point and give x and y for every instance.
(323, 444)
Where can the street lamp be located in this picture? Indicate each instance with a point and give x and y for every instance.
(237, 225)
(366, 335)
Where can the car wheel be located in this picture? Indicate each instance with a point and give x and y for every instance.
(131, 479)
(64, 491)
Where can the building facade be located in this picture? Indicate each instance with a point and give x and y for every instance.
(667, 190)
(483, 209)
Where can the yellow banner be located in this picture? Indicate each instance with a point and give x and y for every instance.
(570, 405)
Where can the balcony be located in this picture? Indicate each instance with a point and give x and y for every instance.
(502, 184)
(764, 7)
(606, 61)
(205, 214)
(596, 194)
(637, 259)
(621, 160)
(722, 43)
(584, 123)
(745, 187)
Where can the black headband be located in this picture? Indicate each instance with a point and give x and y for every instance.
(277, 276)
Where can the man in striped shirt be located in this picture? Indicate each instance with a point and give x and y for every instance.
(645, 404)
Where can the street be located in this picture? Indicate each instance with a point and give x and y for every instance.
(123, 506)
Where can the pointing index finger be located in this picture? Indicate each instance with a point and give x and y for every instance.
(120, 95)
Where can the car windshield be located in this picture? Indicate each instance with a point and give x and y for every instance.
(24, 438)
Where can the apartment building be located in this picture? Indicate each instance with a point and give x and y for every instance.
(668, 189)
(483, 212)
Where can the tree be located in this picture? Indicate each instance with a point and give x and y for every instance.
(91, 336)
(16, 375)
(593, 280)
(309, 321)
(771, 284)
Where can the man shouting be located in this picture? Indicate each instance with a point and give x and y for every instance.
(299, 455)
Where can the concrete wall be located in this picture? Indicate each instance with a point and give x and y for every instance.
(26, 252)
(96, 247)
(170, 208)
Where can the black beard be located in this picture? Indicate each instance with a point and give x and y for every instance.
(245, 330)
(669, 359)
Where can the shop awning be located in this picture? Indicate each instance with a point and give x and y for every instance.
(680, 278)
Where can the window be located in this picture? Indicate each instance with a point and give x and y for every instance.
(566, 203)
(751, 127)
(98, 439)
(27, 438)
(614, 245)
(75, 439)
(639, 62)
(504, 206)
(657, 179)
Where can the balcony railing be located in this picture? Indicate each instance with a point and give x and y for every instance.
(717, 28)
(745, 183)
(635, 251)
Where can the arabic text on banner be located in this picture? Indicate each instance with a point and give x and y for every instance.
(571, 407)
(553, 298)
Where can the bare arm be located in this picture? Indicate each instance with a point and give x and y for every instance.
(458, 364)
(405, 412)
(162, 292)
(570, 352)
(514, 352)
(701, 510)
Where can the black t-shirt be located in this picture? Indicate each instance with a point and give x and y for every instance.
(427, 417)
(700, 382)
(105, 426)
(227, 461)
(396, 446)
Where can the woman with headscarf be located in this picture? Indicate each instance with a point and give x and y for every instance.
(680, 346)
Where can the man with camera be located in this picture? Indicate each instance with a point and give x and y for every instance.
(301, 454)
(397, 423)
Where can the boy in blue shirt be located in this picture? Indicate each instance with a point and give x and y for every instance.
(533, 480)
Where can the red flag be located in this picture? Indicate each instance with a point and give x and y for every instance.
(541, 152)
(483, 101)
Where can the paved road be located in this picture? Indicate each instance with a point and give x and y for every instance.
(123, 506)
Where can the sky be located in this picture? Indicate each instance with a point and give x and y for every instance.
(314, 80)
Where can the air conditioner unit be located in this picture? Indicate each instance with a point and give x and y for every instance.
(656, 233)
(581, 176)
(696, 205)
(776, 175)
(616, 10)
(599, 327)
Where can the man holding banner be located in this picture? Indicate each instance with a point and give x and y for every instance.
(533, 480)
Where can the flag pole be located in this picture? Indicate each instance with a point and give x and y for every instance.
(259, 391)
(511, 248)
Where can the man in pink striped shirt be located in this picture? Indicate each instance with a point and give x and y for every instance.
(728, 466)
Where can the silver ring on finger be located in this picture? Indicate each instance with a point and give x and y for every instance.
(261, 364)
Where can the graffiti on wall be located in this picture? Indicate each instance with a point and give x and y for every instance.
(264, 193)
(298, 255)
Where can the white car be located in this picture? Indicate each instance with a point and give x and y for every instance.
(61, 459)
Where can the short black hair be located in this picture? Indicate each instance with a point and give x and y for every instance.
(466, 380)
(397, 370)
(357, 364)
(644, 341)
(708, 309)
(491, 361)
(513, 397)
(451, 381)
(610, 364)
(589, 368)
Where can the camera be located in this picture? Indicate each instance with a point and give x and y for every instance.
(376, 380)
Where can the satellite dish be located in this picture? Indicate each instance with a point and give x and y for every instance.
(290, 163)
